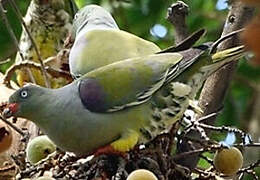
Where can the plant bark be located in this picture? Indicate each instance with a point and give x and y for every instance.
(215, 88)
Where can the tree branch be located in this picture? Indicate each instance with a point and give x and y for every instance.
(19, 15)
(215, 88)
(177, 16)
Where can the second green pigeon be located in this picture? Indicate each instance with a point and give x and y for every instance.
(99, 41)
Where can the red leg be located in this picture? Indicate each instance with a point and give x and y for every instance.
(108, 150)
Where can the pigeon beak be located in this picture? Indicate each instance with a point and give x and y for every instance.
(10, 110)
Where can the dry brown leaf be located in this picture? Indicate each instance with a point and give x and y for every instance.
(251, 38)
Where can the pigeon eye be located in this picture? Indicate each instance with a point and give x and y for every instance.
(24, 94)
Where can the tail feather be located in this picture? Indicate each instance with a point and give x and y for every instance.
(234, 53)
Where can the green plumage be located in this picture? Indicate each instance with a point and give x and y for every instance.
(66, 115)
(150, 71)
(99, 42)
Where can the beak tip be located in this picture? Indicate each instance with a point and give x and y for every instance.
(10, 110)
(7, 113)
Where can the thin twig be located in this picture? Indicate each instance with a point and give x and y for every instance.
(198, 151)
(202, 142)
(197, 125)
(7, 168)
(51, 71)
(223, 129)
(5, 61)
(210, 161)
(44, 73)
(250, 169)
(212, 148)
(247, 145)
(205, 174)
(195, 122)
(13, 126)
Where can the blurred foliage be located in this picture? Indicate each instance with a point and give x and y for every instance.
(6, 46)
(138, 17)
(204, 163)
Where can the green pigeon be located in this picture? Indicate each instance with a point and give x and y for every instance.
(99, 41)
(121, 104)
(49, 23)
